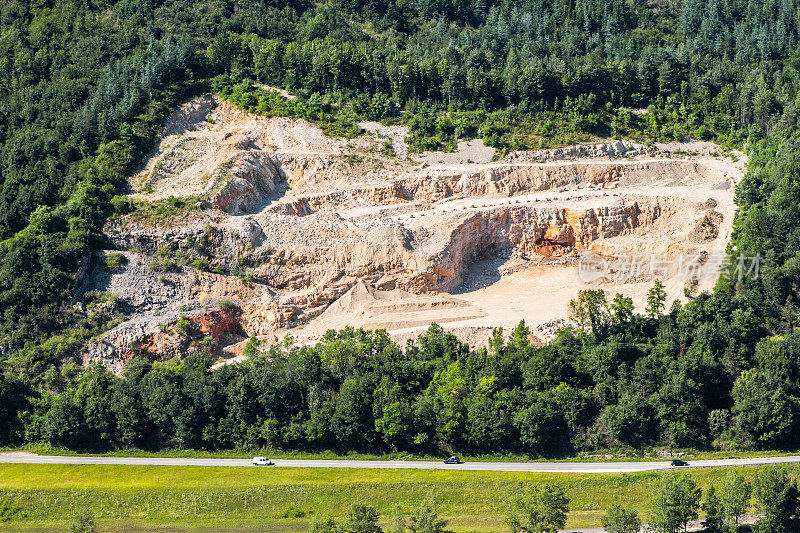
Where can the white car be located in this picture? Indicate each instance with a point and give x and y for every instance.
(262, 461)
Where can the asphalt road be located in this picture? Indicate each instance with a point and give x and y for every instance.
(575, 467)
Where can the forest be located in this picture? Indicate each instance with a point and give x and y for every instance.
(86, 84)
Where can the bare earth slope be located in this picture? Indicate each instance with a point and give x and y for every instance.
(325, 233)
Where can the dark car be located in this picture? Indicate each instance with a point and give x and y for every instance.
(678, 462)
(452, 460)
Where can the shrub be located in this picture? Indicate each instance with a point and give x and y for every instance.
(227, 303)
(176, 202)
(199, 264)
(114, 261)
(542, 508)
(122, 204)
(168, 265)
(208, 344)
(84, 522)
(292, 512)
(183, 326)
(619, 520)
(704, 134)
(163, 264)
(8, 510)
(252, 346)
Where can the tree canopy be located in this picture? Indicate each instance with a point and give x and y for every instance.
(84, 90)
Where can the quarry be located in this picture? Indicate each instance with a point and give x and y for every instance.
(272, 228)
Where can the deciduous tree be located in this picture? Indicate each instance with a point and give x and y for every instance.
(540, 508)
(620, 520)
(674, 502)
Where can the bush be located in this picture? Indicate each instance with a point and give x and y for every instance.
(7, 509)
(542, 508)
(252, 347)
(114, 261)
(84, 523)
(122, 205)
(704, 134)
(176, 202)
(166, 264)
(200, 264)
(619, 520)
(183, 326)
(292, 512)
(227, 304)
(208, 344)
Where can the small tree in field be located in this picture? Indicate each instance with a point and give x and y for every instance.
(778, 500)
(674, 502)
(362, 519)
(425, 518)
(324, 525)
(619, 520)
(735, 498)
(543, 509)
(715, 512)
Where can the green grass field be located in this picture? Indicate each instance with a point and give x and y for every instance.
(164, 498)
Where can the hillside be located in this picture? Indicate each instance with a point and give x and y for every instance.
(182, 181)
(308, 219)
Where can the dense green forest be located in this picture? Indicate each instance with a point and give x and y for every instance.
(86, 84)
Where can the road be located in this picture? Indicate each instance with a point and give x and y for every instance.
(575, 467)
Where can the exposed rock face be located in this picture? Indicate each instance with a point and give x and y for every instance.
(291, 220)
(611, 150)
(120, 344)
(487, 231)
(503, 180)
(244, 183)
(316, 272)
(338, 251)
(145, 286)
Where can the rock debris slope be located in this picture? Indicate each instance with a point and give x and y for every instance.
(274, 227)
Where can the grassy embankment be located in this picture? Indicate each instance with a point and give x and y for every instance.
(133, 498)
